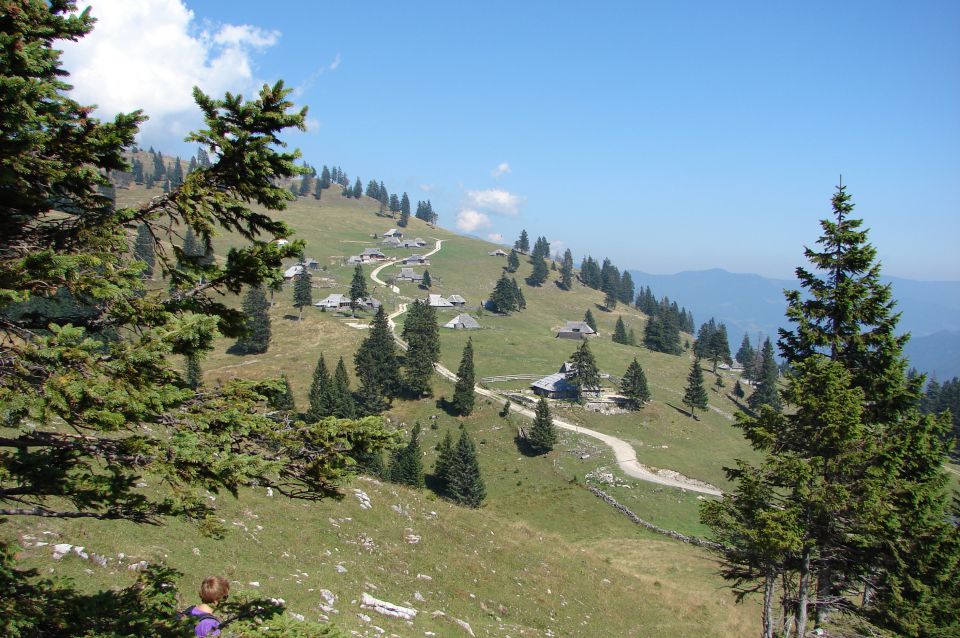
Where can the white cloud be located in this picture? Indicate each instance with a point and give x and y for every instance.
(469, 220)
(495, 200)
(557, 246)
(304, 86)
(150, 54)
(495, 237)
(502, 169)
(426, 188)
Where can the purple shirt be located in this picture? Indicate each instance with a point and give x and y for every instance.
(206, 627)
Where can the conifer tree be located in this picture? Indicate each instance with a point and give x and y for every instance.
(518, 295)
(719, 347)
(357, 189)
(404, 219)
(306, 186)
(377, 366)
(444, 462)
(283, 400)
(317, 189)
(358, 289)
(745, 354)
(504, 296)
(422, 334)
(585, 376)
(404, 206)
(144, 250)
(302, 289)
(138, 171)
(383, 196)
(523, 243)
(463, 395)
(395, 208)
(766, 392)
(325, 178)
(566, 271)
(319, 395)
(406, 465)
(513, 262)
(342, 404)
(589, 319)
(176, 178)
(738, 390)
(466, 482)
(256, 339)
(426, 282)
(539, 273)
(610, 300)
(543, 435)
(633, 385)
(626, 290)
(695, 395)
(620, 332)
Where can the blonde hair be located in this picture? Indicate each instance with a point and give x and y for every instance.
(214, 589)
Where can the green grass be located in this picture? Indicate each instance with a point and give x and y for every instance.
(542, 554)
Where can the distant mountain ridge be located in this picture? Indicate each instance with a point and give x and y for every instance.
(750, 303)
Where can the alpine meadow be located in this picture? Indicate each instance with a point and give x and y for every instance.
(337, 405)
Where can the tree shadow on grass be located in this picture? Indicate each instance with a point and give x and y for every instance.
(448, 407)
(685, 412)
(291, 317)
(524, 447)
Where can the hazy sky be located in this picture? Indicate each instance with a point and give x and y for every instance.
(668, 136)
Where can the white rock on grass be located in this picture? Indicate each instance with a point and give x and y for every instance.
(61, 549)
(340, 569)
(254, 583)
(387, 609)
(364, 499)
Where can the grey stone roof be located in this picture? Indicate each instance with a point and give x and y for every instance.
(554, 383)
(464, 321)
(578, 326)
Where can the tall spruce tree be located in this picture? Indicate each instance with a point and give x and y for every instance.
(444, 462)
(620, 332)
(426, 282)
(518, 295)
(539, 273)
(302, 290)
(590, 320)
(358, 289)
(746, 355)
(406, 464)
(342, 404)
(566, 271)
(585, 376)
(377, 366)
(422, 334)
(144, 250)
(523, 242)
(465, 486)
(633, 385)
(543, 435)
(766, 392)
(319, 395)
(283, 400)
(863, 468)
(463, 395)
(255, 307)
(513, 262)
(504, 296)
(695, 394)
(404, 206)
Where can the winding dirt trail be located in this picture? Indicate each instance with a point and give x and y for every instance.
(623, 452)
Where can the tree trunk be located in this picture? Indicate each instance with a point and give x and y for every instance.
(803, 593)
(824, 594)
(768, 590)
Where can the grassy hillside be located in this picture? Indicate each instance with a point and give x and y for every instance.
(542, 557)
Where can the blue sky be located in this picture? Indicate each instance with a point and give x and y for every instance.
(667, 136)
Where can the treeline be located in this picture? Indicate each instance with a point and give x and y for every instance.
(941, 397)
(167, 172)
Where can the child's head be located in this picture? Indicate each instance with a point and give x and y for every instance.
(213, 589)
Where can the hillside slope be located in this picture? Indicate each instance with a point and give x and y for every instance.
(544, 556)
